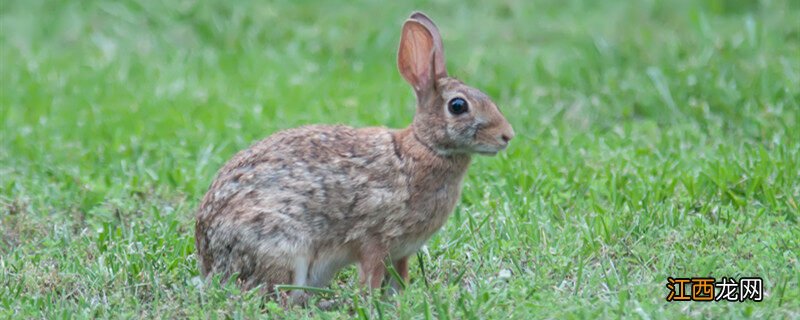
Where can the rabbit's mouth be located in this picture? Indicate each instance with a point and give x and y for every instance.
(490, 151)
(488, 146)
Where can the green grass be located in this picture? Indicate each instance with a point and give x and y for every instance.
(654, 139)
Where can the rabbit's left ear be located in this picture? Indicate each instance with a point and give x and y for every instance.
(440, 69)
(420, 57)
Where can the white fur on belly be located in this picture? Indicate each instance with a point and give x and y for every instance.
(326, 264)
(406, 248)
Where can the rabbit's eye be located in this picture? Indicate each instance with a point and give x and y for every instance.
(457, 106)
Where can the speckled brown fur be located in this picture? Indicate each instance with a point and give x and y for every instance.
(301, 204)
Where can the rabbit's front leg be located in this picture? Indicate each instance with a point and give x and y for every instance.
(401, 266)
(397, 285)
(371, 268)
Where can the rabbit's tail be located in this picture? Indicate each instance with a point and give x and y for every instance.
(202, 252)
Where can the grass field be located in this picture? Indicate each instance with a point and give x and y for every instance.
(654, 139)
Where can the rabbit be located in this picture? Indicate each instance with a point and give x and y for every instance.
(298, 206)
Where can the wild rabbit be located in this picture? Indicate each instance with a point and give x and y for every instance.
(303, 203)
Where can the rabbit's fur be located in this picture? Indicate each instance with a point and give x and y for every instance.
(301, 204)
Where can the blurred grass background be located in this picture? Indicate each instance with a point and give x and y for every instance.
(655, 139)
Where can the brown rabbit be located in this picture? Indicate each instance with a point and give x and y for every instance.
(303, 203)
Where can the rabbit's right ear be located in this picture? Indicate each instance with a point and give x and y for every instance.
(418, 57)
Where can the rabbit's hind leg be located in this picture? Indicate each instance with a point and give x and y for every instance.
(300, 278)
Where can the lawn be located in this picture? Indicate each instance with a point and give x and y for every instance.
(655, 139)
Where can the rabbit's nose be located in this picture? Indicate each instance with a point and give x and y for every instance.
(507, 135)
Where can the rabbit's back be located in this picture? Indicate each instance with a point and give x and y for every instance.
(315, 188)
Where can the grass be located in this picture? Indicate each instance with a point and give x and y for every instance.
(654, 139)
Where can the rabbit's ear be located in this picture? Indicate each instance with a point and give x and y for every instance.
(418, 57)
(440, 69)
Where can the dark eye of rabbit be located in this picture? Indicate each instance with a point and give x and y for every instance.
(457, 106)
